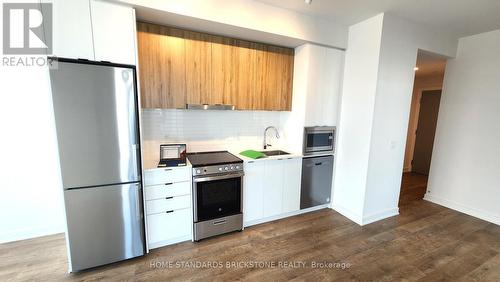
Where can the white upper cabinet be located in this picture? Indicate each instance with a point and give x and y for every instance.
(323, 85)
(72, 29)
(114, 32)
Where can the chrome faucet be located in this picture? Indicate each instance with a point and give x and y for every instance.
(265, 135)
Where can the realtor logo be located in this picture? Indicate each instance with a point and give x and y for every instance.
(26, 30)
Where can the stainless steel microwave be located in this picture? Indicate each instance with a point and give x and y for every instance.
(319, 140)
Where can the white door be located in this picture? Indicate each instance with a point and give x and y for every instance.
(253, 189)
(291, 184)
(273, 187)
(114, 32)
(72, 29)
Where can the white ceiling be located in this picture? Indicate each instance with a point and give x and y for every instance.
(459, 17)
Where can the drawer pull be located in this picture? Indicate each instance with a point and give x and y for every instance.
(170, 211)
(219, 222)
(168, 169)
(166, 184)
(168, 198)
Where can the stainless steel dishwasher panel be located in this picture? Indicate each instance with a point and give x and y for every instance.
(316, 181)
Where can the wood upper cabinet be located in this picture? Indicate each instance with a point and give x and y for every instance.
(162, 66)
(198, 69)
(179, 67)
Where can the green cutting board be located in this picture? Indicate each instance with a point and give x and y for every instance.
(252, 154)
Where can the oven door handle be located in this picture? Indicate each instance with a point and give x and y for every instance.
(218, 177)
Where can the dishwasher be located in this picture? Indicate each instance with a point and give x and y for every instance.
(316, 181)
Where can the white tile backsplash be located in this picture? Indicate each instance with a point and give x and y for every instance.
(206, 130)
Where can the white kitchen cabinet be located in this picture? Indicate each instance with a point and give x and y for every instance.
(114, 32)
(291, 186)
(168, 205)
(72, 29)
(273, 191)
(165, 228)
(271, 188)
(324, 80)
(253, 190)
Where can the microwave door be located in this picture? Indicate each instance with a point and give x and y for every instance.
(319, 141)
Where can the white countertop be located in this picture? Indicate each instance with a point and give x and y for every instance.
(247, 159)
(153, 164)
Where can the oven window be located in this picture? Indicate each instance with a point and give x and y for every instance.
(218, 198)
(315, 140)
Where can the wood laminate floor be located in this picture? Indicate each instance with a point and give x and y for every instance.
(413, 187)
(425, 242)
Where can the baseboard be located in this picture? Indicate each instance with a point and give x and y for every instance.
(284, 215)
(481, 214)
(348, 213)
(380, 216)
(29, 233)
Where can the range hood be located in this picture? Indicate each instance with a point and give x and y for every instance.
(217, 107)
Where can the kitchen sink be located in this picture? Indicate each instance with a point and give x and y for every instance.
(275, 153)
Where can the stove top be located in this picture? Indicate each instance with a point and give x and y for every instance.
(212, 158)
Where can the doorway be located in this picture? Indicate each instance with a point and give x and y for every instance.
(429, 75)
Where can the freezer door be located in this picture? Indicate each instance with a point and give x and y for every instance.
(316, 185)
(105, 224)
(95, 110)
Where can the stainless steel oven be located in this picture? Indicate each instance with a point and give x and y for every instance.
(217, 197)
(319, 140)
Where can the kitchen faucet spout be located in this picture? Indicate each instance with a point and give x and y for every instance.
(265, 135)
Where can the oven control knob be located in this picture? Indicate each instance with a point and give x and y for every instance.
(220, 168)
(226, 168)
(198, 171)
(232, 167)
(237, 167)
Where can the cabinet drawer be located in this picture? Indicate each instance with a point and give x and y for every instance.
(164, 205)
(167, 190)
(167, 226)
(167, 175)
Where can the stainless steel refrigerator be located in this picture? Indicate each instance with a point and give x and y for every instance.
(96, 115)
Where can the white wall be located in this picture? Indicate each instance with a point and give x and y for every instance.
(31, 191)
(401, 40)
(356, 117)
(373, 129)
(465, 162)
(432, 82)
(246, 16)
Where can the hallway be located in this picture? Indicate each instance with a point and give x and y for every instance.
(413, 188)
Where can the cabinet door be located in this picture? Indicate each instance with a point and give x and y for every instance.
(245, 74)
(114, 32)
(323, 85)
(291, 184)
(72, 29)
(274, 79)
(260, 69)
(224, 71)
(253, 191)
(198, 69)
(273, 188)
(162, 66)
(332, 77)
